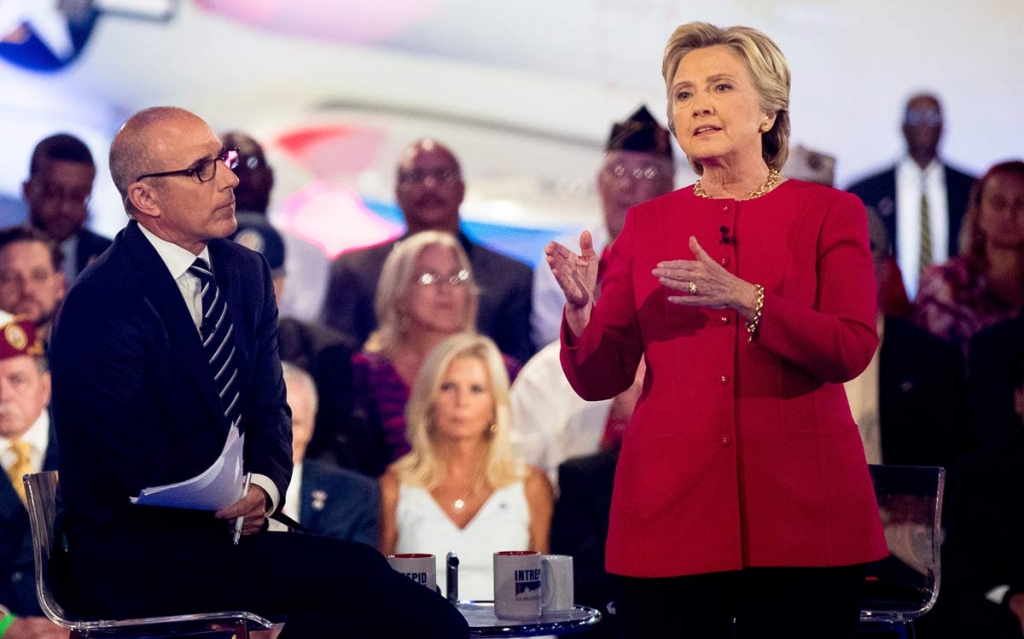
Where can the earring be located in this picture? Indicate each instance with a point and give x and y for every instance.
(492, 426)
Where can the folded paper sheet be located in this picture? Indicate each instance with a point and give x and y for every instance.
(217, 487)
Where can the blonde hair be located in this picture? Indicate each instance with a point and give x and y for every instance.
(422, 466)
(768, 69)
(396, 278)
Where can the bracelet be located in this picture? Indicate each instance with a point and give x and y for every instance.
(6, 621)
(758, 307)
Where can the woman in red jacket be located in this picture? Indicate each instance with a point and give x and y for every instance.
(742, 489)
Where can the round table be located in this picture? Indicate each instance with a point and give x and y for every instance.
(484, 623)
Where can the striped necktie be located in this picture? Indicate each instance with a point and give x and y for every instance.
(217, 333)
(925, 259)
(22, 466)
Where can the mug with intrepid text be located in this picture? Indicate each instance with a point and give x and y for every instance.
(556, 584)
(517, 584)
(420, 567)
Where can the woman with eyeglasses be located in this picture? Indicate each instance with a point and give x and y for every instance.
(425, 293)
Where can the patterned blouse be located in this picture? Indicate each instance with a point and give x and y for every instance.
(954, 302)
(380, 395)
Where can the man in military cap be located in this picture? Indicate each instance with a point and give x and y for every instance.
(27, 445)
(637, 167)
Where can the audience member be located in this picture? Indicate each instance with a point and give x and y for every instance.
(304, 260)
(427, 293)
(322, 352)
(993, 355)
(326, 500)
(984, 284)
(810, 166)
(910, 403)
(637, 167)
(27, 445)
(983, 559)
(579, 527)
(138, 401)
(429, 190)
(921, 199)
(31, 279)
(461, 488)
(57, 194)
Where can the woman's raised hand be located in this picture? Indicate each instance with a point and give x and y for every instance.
(576, 274)
(703, 282)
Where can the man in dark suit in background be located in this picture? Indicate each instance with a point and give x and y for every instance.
(321, 351)
(430, 190)
(167, 343)
(920, 193)
(327, 500)
(57, 194)
(27, 445)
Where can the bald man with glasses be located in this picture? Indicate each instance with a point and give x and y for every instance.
(163, 347)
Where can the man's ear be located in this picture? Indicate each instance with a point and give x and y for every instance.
(143, 199)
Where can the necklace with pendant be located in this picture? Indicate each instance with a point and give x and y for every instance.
(769, 184)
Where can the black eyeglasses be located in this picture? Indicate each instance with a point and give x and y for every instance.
(205, 170)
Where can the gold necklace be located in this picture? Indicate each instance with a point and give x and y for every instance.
(769, 184)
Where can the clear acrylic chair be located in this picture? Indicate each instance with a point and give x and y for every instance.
(904, 586)
(41, 491)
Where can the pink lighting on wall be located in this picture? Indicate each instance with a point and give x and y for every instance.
(330, 152)
(334, 217)
(346, 21)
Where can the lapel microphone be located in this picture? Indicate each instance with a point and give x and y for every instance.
(726, 238)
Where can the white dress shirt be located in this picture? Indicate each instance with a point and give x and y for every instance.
(177, 261)
(37, 437)
(911, 181)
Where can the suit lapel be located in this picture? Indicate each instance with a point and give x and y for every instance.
(160, 289)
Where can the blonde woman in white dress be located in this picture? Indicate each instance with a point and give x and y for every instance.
(461, 488)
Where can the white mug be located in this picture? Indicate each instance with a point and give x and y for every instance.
(517, 584)
(420, 567)
(556, 577)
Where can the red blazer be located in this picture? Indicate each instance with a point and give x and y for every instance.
(738, 454)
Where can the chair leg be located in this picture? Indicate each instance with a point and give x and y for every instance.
(241, 630)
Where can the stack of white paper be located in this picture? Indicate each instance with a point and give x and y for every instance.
(215, 488)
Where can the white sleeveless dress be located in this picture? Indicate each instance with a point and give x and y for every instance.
(502, 523)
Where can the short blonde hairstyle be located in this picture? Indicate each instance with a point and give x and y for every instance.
(768, 69)
(396, 278)
(422, 466)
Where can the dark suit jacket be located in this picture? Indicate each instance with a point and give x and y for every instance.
(327, 356)
(922, 398)
(17, 567)
(993, 355)
(506, 290)
(135, 405)
(90, 246)
(983, 547)
(339, 503)
(879, 192)
(579, 527)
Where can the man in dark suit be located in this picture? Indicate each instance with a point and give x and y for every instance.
(27, 445)
(163, 346)
(57, 194)
(430, 190)
(323, 352)
(327, 500)
(919, 192)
